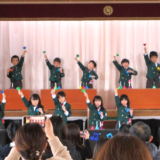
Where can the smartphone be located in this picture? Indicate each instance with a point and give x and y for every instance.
(34, 119)
(82, 133)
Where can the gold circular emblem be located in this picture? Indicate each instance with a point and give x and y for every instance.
(108, 10)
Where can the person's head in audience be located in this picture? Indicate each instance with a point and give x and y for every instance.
(57, 62)
(141, 131)
(124, 100)
(98, 102)
(30, 141)
(153, 56)
(125, 63)
(73, 134)
(124, 129)
(99, 144)
(61, 96)
(59, 127)
(14, 60)
(35, 100)
(122, 147)
(92, 64)
(12, 129)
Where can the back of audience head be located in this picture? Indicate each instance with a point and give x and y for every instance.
(59, 127)
(141, 131)
(124, 129)
(122, 147)
(99, 144)
(73, 134)
(12, 129)
(30, 141)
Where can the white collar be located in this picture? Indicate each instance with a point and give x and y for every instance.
(99, 108)
(12, 144)
(34, 108)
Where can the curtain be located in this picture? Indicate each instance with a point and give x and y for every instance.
(92, 40)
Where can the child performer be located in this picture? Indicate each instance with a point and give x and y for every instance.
(98, 113)
(62, 108)
(34, 104)
(152, 69)
(56, 72)
(125, 71)
(88, 73)
(125, 112)
(2, 105)
(14, 73)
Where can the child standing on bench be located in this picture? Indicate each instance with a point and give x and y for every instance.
(152, 69)
(56, 72)
(2, 105)
(125, 112)
(88, 73)
(98, 112)
(62, 108)
(34, 104)
(125, 71)
(14, 73)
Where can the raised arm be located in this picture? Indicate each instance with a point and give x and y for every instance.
(89, 104)
(118, 66)
(20, 64)
(47, 62)
(117, 100)
(55, 100)
(25, 101)
(147, 60)
(80, 64)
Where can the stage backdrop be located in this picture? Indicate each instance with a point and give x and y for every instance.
(97, 40)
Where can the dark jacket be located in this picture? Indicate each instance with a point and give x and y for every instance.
(85, 152)
(155, 153)
(5, 151)
(70, 147)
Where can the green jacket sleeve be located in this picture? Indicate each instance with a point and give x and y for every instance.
(90, 106)
(104, 115)
(62, 74)
(25, 101)
(135, 72)
(81, 66)
(43, 109)
(68, 108)
(147, 60)
(130, 116)
(55, 100)
(9, 75)
(118, 66)
(96, 76)
(20, 64)
(3, 106)
(117, 100)
(49, 64)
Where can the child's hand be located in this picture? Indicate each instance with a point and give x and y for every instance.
(130, 71)
(131, 111)
(8, 70)
(25, 51)
(116, 91)
(101, 114)
(93, 76)
(114, 57)
(76, 59)
(87, 135)
(45, 56)
(49, 129)
(4, 96)
(61, 70)
(64, 108)
(52, 91)
(86, 95)
(40, 110)
(145, 50)
(20, 93)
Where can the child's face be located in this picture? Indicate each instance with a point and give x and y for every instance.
(62, 99)
(56, 64)
(154, 59)
(15, 61)
(124, 102)
(90, 65)
(125, 64)
(34, 102)
(97, 103)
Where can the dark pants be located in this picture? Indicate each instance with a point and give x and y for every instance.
(16, 84)
(151, 82)
(85, 84)
(58, 84)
